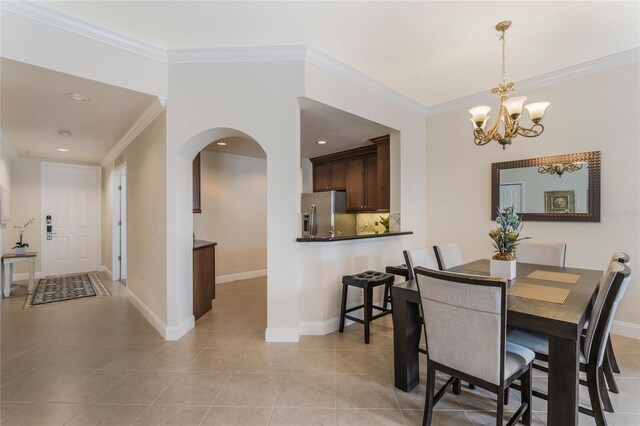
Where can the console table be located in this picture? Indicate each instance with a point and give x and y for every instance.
(8, 260)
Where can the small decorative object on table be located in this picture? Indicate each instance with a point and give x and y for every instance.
(385, 222)
(20, 247)
(505, 239)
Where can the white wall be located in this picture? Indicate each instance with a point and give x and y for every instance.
(234, 213)
(597, 112)
(259, 99)
(7, 158)
(322, 265)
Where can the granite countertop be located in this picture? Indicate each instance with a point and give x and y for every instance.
(350, 237)
(198, 244)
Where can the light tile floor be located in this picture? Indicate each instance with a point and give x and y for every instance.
(97, 361)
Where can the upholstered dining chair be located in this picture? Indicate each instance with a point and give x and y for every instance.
(463, 315)
(551, 254)
(448, 255)
(612, 287)
(424, 257)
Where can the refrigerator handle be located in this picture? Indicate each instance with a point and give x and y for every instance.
(313, 221)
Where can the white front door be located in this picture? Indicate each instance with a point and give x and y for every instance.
(511, 195)
(71, 207)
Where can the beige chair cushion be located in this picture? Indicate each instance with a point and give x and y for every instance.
(450, 255)
(552, 254)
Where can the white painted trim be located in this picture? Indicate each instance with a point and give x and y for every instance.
(580, 70)
(321, 328)
(281, 334)
(626, 329)
(49, 16)
(175, 332)
(115, 216)
(103, 268)
(151, 113)
(241, 276)
(25, 276)
(43, 224)
(237, 54)
(146, 312)
(326, 62)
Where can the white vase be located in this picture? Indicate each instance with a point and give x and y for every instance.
(503, 269)
(21, 250)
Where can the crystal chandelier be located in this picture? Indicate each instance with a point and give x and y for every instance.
(559, 169)
(510, 110)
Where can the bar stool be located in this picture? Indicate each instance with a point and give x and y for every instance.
(367, 281)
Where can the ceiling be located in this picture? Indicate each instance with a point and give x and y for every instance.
(341, 130)
(432, 52)
(35, 109)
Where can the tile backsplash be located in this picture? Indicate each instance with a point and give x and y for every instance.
(370, 223)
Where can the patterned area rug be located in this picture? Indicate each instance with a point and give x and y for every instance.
(66, 287)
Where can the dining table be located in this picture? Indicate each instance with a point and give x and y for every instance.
(562, 323)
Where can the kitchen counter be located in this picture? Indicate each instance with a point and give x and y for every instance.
(198, 244)
(350, 237)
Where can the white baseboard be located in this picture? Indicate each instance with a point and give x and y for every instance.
(25, 276)
(320, 328)
(153, 319)
(281, 334)
(175, 332)
(105, 269)
(241, 276)
(626, 329)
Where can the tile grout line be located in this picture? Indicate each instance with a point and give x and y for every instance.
(213, 401)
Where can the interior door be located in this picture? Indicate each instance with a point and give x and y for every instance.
(123, 227)
(70, 201)
(511, 195)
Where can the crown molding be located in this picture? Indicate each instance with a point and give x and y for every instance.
(326, 62)
(237, 54)
(580, 70)
(156, 108)
(46, 15)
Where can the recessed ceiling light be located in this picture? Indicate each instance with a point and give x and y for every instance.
(65, 133)
(63, 149)
(221, 143)
(321, 142)
(77, 97)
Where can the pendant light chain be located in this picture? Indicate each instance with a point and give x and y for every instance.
(504, 66)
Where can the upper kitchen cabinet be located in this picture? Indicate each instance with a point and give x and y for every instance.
(362, 172)
(329, 175)
(196, 185)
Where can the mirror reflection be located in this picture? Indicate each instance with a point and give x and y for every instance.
(548, 188)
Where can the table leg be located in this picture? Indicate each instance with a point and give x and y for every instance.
(32, 275)
(406, 335)
(564, 369)
(8, 272)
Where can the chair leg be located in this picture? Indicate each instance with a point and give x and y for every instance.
(526, 380)
(506, 396)
(343, 307)
(500, 410)
(472, 386)
(368, 296)
(457, 388)
(604, 394)
(608, 374)
(594, 395)
(428, 399)
(612, 357)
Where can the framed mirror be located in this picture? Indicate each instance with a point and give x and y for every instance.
(562, 188)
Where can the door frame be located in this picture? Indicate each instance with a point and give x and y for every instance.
(522, 192)
(43, 224)
(115, 242)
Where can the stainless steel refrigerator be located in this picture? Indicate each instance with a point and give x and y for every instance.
(324, 214)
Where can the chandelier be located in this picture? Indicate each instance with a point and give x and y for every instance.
(559, 169)
(510, 110)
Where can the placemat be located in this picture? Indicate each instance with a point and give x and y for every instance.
(539, 292)
(561, 277)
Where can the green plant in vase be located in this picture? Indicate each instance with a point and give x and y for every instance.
(21, 246)
(506, 235)
(385, 222)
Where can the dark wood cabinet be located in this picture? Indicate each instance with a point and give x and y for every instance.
(365, 174)
(330, 175)
(204, 277)
(196, 185)
(362, 176)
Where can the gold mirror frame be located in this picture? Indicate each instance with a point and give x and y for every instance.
(593, 199)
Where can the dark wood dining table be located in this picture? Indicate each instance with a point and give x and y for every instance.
(562, 323)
